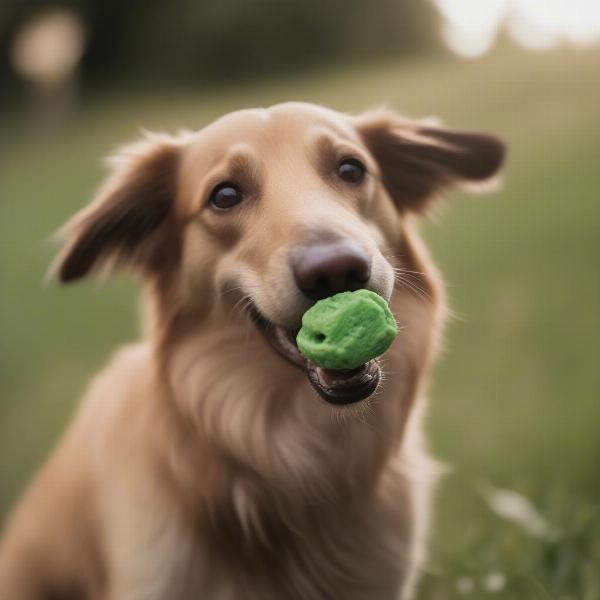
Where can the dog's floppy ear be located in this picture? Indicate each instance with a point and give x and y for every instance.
(130, 221)
(418, 159)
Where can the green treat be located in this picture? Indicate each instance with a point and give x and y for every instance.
(346, 330)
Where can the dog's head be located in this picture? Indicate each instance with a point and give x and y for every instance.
(280, 206)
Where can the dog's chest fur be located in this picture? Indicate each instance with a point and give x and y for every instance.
(351, 552)
(316, 510)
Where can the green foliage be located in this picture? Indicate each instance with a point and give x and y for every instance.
(515, 396)
(196, 41)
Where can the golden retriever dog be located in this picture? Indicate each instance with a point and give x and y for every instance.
(211, 460)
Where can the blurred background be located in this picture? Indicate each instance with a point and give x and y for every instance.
(515, 403)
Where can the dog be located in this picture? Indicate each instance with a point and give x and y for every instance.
(212, 460)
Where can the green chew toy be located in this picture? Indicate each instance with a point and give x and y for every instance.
(346, 330)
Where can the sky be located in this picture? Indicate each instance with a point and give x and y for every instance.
(472, 26)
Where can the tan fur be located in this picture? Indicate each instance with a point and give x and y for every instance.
(201, 464)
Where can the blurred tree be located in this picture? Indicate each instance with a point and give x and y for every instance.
(191, 40)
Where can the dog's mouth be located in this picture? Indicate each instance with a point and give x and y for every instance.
(335, 387)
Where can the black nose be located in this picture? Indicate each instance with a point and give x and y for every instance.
(326, 268)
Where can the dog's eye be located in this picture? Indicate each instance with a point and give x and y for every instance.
(225, 196)
(352, 170)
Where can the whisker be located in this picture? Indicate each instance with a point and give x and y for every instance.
(416, 289)
(403, 270)
(241, 305)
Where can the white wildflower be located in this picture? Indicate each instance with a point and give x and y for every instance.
(518, 509)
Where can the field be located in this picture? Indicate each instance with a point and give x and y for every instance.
(515, 402)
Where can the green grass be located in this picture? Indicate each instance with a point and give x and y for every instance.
(515, 399)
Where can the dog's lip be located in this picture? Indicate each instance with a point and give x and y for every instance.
(283, 340)
(335, 387)
(345, 387)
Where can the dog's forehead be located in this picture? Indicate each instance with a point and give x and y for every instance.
(289, 124)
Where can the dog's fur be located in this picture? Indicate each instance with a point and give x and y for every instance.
(201, 464)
